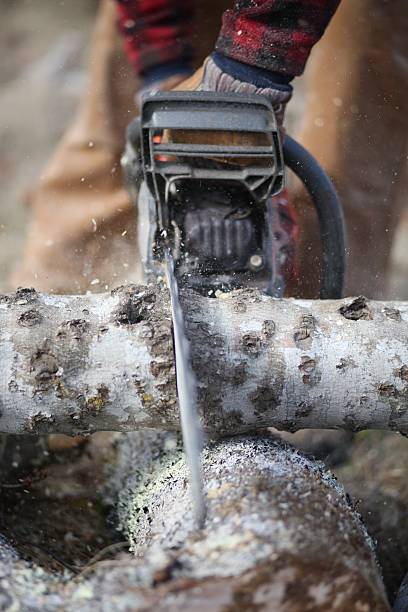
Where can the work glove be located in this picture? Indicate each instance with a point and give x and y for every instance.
(210, 77)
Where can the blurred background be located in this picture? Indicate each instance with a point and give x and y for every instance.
(43, 45)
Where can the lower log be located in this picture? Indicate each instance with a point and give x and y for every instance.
(280, 536)
(280, 533)
(75, 364)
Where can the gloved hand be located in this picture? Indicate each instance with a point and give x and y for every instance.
(211, 78)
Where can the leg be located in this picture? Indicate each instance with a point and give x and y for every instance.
(79, 209)
(356, 123)
(83, 225)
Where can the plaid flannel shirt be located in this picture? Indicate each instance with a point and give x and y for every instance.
(276, 35)
(157, 32)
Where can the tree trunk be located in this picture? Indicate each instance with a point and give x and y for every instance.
(74, 364)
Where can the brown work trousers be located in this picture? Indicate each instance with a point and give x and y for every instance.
(82, 231)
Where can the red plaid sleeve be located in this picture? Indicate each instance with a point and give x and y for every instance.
(276, 35)
(156, 31)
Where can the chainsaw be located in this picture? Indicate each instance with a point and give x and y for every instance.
(206, 214)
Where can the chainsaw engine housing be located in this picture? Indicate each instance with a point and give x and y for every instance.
(205, 195)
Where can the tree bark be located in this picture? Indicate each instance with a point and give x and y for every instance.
(74, 364)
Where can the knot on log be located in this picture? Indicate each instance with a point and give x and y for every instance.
(135, 304)
(75, 329)
(23, 295)
(358, 309)
(44, 364)
(30, 318)
(393, 314)
(305, 329)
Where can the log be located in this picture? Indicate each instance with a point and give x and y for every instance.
(271, 514)
(280, 535)
(77, 364)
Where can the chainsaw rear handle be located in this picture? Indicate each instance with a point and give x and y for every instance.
(330, 215)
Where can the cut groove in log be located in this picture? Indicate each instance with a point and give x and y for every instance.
(75, 364)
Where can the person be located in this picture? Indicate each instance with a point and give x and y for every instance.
(81, 236)
(261, 47)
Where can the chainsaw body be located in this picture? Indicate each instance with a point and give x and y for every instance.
(208, 202)
(211, 205)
